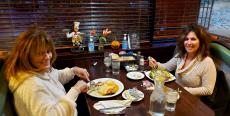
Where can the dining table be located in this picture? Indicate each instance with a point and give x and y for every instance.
(187, 104)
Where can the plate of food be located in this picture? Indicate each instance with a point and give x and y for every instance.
(162, 74)
(126, 58)
(105, 88)
(135, 75)
(131, 67)
(133, 94)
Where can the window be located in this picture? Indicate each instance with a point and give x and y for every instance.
(219, 19)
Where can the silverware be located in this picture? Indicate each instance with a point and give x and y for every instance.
(113, 112)
(110, 111)
(95, 63)
(134, 92)
(151, 58)
(115, 107)
(92, 85)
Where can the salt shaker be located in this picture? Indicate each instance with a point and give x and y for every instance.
(141, 63)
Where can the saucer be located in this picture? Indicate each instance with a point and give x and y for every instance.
(135, 75)
(133, 94)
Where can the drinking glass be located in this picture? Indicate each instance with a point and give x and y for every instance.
(107, 61)
(171, 99)
(115, 66)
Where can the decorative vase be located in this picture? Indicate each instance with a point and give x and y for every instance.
(101, 46)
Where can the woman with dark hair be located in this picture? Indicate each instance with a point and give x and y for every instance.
(37, 87)
(194, 69)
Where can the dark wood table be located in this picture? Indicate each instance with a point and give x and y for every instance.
(187, 105)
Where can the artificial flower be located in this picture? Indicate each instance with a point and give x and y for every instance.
(101, 38)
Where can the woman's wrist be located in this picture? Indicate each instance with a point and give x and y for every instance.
(75, 70)
(77, 89)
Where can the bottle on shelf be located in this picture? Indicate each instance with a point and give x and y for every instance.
(91, 46)
(138, 56)
(129, 44)
(124, 42)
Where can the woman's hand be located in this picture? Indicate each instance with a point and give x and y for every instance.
(152, 62)
(82, 73)
(81, 86)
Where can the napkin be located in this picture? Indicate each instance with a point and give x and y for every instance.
(112, 106)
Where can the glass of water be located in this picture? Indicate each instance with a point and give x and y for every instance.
(115, 66)
(107, 61)
(171, 99)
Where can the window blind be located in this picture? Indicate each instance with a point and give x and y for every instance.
(54, 16)
(172, 15)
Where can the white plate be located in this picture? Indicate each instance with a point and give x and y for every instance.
(94, 93)
(128, 95)
(170, 79)
(135, 75)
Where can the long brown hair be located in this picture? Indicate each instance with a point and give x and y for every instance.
(201, 34)
(28, 44)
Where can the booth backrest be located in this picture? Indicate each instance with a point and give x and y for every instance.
(6, 97)
(219, 101)
(221, 57)
(221, 52)
(3, 88)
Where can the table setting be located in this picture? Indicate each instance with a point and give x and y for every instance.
(128, 92)
(105, 89)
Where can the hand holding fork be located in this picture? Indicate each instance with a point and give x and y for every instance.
(152, 62)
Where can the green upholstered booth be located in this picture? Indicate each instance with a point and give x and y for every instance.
(221, 52)
(6, 98)
(3, 88)
(219, 101)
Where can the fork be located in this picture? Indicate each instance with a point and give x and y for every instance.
(133, 92)
(113, 112)
(153, 68)
(92, 84)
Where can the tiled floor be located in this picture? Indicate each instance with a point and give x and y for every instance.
(220, 19)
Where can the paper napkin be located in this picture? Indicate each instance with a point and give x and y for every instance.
(112, 106)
